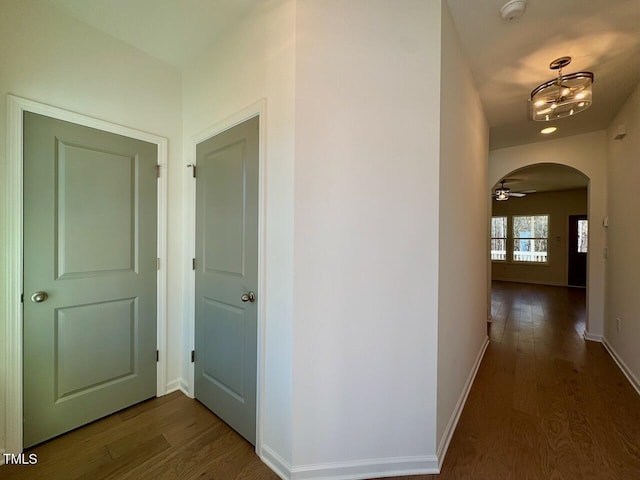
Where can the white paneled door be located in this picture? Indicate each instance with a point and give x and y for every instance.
(226, 275)
(90, 236)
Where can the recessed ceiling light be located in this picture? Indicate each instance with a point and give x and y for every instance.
(548, 130)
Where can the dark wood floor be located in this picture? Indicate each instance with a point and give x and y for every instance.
(545, 405)
(171, 437)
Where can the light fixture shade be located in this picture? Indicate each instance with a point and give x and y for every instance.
(561, 97)
(502, 193)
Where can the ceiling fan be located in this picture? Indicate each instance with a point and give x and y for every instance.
(503, 193)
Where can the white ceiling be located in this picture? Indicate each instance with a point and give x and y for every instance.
(174, 31)
(545, 178)
(508, 59)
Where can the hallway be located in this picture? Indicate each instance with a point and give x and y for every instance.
(546, 404)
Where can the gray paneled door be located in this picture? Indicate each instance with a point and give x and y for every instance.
(227, 275)
(90, 236)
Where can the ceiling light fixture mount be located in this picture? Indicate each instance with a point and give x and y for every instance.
(563, 96)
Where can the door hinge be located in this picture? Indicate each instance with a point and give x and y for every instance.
(157, 355)
(22, 298)
(193, 263)
(193, 356)
(157, 264)
(191, 165)
(157, 171)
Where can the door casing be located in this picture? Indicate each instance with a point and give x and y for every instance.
(16, 106)
(256, 109)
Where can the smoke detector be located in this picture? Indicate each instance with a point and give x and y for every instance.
(513, 9)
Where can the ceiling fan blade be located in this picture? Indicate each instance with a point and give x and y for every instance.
(519, 195)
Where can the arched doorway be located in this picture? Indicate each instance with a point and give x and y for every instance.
(550, 208)
(546, 209)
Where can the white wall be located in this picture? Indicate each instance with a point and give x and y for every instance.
(588, 154)
(366, 236)
(462, 304)
(558, 205)
(256, 62)
(55, 60)
(623, 238)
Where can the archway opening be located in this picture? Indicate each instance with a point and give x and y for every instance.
(539, 234)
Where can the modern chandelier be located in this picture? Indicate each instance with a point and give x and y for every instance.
(563, 96)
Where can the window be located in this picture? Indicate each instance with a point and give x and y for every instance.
(498, 238)
(530, 235)
(583, 235)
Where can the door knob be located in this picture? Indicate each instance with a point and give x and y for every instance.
(248, 297)
(38, 297)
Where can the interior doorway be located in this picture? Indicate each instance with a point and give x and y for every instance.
(529, 235)
(577, 249)
(226, 275)
(17, 108)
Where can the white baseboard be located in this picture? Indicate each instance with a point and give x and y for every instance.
(178, 384)
(388, 467)
(592, 337)
(623, 366)
(533, 282)
(455, 416)
(275, 462)
(364, 469)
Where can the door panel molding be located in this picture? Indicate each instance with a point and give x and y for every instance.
(16, 106)
(254, 110)
(67, 364)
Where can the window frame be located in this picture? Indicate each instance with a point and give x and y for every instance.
(586, 244)
(532, 238)
(505, 238)
(510, 238)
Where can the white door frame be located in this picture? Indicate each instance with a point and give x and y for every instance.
(16, 106)
(257, 109)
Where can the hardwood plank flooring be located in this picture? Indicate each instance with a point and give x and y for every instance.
(546, 404)
(171, 437)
